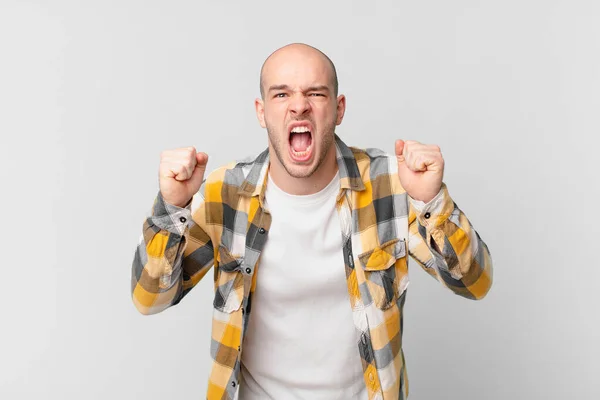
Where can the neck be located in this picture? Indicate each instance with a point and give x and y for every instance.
(303, 186)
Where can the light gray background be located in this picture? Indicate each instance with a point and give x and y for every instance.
(92, 91)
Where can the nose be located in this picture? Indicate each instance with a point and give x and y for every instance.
(299, 104)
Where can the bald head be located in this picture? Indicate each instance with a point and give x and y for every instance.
(297, 51)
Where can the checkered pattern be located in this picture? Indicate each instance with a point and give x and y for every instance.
(227, 225)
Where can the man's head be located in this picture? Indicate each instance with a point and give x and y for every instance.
(300, 108)
(333, 73)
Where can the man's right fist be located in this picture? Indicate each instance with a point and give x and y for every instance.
(180, 174)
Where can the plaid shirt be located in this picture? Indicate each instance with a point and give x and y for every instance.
(227, 224)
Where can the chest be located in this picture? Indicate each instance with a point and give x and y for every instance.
(365, 239)
(303, 256)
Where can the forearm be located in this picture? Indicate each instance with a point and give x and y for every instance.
(449, 247)
(156, 281)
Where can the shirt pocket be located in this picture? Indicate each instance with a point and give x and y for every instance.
(386, 273)
(229, 284)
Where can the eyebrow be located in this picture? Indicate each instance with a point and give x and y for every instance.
(279, 87)
(318, 88)
(310, 89)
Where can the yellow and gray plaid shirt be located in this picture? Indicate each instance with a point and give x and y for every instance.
(227, 224)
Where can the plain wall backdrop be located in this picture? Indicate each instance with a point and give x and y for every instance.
(92, 91)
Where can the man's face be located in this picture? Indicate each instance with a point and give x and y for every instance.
(299, 110)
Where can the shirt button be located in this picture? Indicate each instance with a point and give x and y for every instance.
(261, 231)
(182, 219)
(233, 384)
(248, 270)
(427, 215)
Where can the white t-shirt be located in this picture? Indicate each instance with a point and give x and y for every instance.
(301, 341)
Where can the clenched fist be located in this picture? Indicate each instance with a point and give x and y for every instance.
(420, 168)
(180, 174)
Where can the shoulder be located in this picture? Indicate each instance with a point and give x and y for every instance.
(235, 173)
(373, 162)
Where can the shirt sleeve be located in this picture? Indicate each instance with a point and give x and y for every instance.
(174, 252)
(445, 244)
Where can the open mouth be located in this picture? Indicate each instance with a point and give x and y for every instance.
(301, 143)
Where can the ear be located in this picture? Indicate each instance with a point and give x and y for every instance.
(341, 108)
(259, 105)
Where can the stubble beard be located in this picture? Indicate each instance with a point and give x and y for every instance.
(280, 147)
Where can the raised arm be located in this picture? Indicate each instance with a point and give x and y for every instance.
(441, 238)
(174, 251)
(445, 244)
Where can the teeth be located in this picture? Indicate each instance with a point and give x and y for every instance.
(300, 129)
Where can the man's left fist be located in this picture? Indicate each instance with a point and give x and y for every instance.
(420, 168)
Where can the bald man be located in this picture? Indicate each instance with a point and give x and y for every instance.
(309, 242)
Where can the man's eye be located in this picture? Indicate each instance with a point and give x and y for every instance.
(317, 94)
(280, 95)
